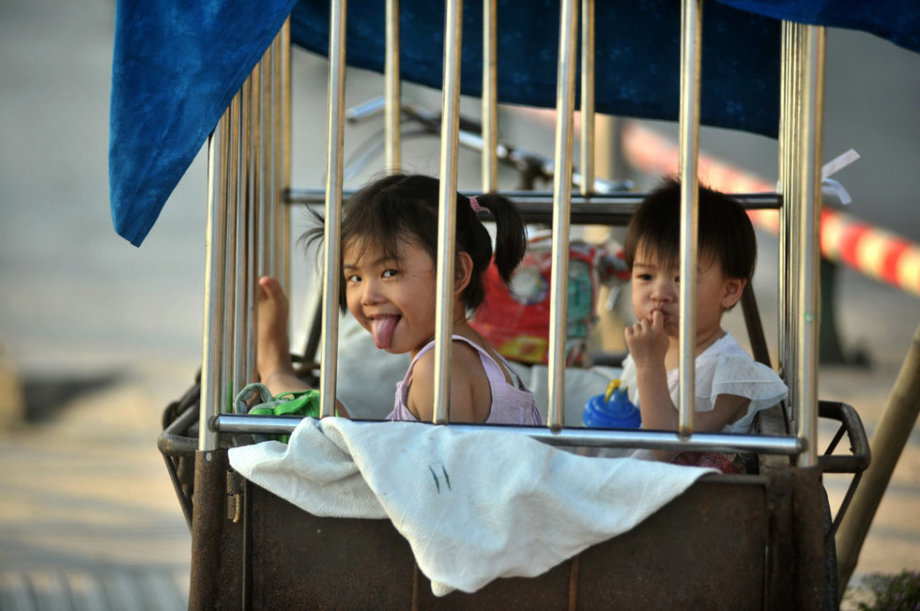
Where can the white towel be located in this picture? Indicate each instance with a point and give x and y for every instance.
(474, 506)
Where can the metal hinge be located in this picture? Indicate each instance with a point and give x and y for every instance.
(234, 497)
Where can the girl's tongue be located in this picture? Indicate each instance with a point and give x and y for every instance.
(382, 328)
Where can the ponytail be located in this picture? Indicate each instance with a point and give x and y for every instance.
(473, 238)
(510, 241)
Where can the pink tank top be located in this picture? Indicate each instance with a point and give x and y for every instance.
(511, 404)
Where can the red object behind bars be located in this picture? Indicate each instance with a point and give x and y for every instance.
(515, 317)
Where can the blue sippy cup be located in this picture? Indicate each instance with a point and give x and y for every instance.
(612, 410)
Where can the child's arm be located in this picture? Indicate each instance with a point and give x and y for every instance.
(648, 345)
(463, 404)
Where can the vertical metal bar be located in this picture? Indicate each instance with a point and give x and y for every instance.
(392, 108)
(489, 96)
(809, 280)
(286, 135)
(277, 159)
(690, 51)
(265, 207)
(332, 233)
(252, 234)
(230, 381)
(785, 119)
(792, 210)
(256, 161)
(240, 285)
(270, 175)
(562, 205)
(215, 253)
(447, 207)
(587, 97)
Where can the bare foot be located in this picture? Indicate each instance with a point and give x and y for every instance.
(273, 355)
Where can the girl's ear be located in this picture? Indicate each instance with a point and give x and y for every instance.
(463, 271)
(732, 291)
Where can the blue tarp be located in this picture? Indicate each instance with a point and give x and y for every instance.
(177, 64)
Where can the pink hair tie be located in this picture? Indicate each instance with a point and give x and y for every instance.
(474, 204)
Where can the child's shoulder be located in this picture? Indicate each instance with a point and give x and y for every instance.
(463, 356)
(469, 391)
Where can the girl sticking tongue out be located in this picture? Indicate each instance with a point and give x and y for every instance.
(389, 247)
(382, 329)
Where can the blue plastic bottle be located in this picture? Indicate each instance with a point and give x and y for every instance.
(612, 410)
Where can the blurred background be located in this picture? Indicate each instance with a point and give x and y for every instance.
(97, 336)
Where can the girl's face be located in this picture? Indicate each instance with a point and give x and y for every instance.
(393, 298)
(656, 286)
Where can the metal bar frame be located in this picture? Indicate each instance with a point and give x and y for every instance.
(447, 208)
(254, 135)
(793, 196)
(393, 114)
(229, 378)
(241, 339)
(489, 96)
(277, 222)
(783, 146)
(285, 136)
(562, 191)
(690, 65)
(624, 202)
(587, 96)
(332, 232)
(212, 319)
(805, 381)
(266, 183)
(587, 437)
(254, 195)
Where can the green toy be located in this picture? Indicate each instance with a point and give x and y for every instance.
(304, 403)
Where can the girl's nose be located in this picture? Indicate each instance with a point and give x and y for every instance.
(370, 293)
(664, 290)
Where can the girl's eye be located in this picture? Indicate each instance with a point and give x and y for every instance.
(644, 276)
(389, 273)
(353, 279)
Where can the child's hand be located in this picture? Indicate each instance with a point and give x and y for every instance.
(647, 340)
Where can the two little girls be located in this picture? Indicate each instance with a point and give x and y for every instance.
(389, 248)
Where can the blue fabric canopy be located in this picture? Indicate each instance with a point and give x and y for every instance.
(177, 65)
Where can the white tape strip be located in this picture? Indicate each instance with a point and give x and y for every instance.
(835, 165)
(829, 186)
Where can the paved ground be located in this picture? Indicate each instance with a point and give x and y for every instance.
(104, 334)
(88, 512)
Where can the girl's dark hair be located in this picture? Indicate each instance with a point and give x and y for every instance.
(400, 207)
(725, 231)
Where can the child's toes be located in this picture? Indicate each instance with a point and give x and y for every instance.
(268, 287)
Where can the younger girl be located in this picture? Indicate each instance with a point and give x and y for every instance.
(389, 247)
(730, 386)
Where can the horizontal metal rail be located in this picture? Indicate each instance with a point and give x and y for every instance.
(641, 439)
(537, 207)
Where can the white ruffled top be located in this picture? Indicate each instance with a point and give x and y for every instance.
(724, 368)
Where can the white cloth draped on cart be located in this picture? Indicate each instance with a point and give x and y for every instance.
(474, 506)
